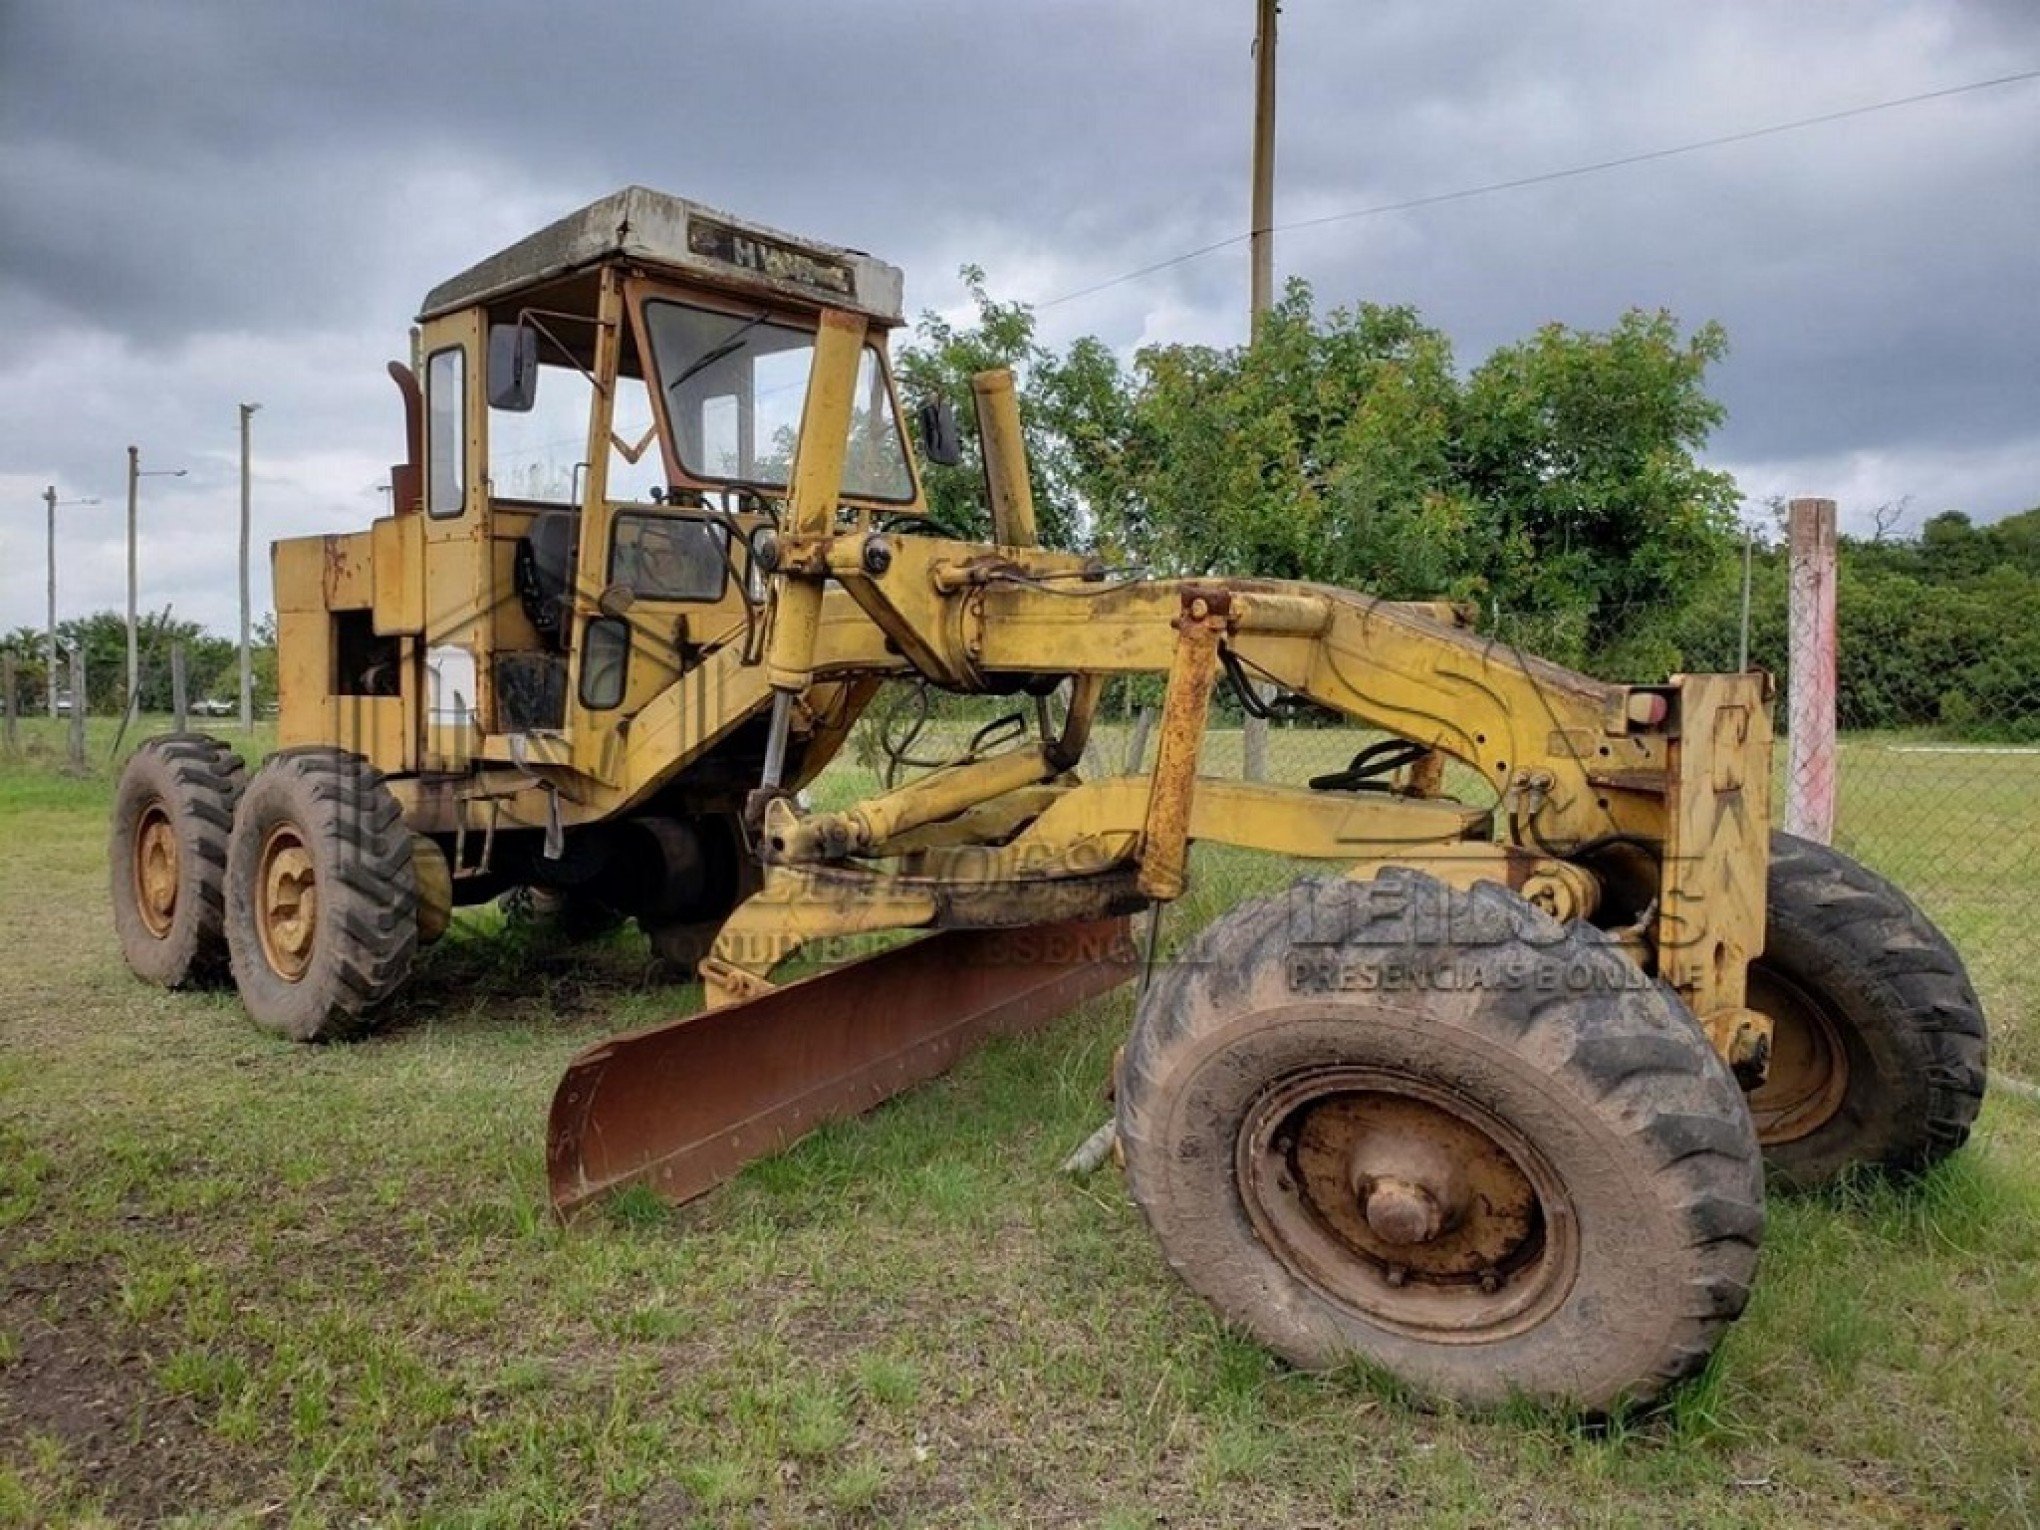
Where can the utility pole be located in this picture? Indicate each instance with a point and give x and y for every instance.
(50, 499)
(247, 661)
(134, 646)
(1261, 287)
(134, 653)
(1261, 239)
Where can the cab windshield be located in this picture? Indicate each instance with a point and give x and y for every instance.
(735, 385)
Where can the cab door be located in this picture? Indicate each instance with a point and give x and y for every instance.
(459, 592)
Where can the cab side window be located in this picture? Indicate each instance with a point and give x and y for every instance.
(446, 432)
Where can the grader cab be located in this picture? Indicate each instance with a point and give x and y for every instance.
(1485, 1101)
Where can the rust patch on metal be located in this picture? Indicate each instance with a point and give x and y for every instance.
(1397, 1199)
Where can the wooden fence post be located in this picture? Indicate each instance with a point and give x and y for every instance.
(78, 708)
(10, 738)
(1810, 709)
(179, 697)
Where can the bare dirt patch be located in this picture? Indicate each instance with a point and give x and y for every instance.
(80, 1379)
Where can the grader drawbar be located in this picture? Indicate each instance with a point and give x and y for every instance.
(1487, 1099)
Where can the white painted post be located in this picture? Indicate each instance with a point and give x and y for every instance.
(1810, 772)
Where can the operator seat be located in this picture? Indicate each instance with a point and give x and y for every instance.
(544, 574)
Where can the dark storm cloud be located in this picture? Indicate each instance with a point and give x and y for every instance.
(201, 203)
(192, 174)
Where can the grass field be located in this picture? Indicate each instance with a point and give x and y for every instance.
(248, 1283)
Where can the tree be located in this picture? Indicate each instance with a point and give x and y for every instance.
(940, 364)
(1557, 484)
(1580, 448)
(210, 662)
(29, 648)
(1320, 452)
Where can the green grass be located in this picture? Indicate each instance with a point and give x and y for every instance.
(248, 1283)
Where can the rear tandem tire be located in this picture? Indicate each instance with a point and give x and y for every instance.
(172, 815)
(322, 895)
(1879, 1045)
(1497, 1165)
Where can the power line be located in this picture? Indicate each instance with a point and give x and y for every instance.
(1466, 192)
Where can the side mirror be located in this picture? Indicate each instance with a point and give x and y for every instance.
(513, 367)
(935, 423)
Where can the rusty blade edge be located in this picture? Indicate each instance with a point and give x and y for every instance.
(1040, 995)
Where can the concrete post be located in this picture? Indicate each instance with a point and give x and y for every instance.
(10, 737)
(247, 660)
(1810, 708)
(134, 645)
(50, 499)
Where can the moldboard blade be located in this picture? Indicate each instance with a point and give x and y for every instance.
(683, 1106)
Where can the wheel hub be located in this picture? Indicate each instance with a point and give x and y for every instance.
(156, 869)
(288, 918)
(1400, 1212)
(1808, 1076)
(1397, 1197)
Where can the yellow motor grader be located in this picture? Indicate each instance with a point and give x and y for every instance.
(1485, 1102)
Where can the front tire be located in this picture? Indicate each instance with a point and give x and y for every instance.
(172, 815)
(1497, 1165)
(1879, 1045)
(322, 895)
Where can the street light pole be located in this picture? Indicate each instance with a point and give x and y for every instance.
(134, 645)
(247, 662)
(50, 499)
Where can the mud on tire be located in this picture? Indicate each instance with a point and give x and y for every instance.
(173, 813)
(1602, 1167)
(322, 897)
(1880, 1046)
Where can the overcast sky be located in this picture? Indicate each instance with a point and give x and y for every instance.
(202, 204)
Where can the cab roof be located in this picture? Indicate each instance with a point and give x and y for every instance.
(673, 235)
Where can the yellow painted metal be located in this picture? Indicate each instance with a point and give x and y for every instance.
(793, 909)
(1566, 762)
(591, 731)
(1165, 837)
(459, 588)
(346, 572)
(1563, 890)
(1282, 820)
(1005, 455)
(1716, 841)
(396, 549)
(812, 496)
(435, 887)
(930, 799)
